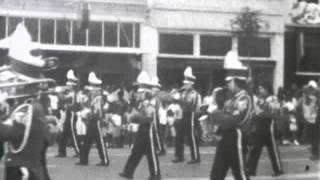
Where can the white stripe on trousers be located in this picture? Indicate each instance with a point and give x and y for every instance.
(73, 132)
(193, 137)
(25, 173)
(157, 132)
(274, 145)
(104, 152)
(240, 154)
(153, 153)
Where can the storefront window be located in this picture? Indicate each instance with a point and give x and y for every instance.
(79, 36)
(67, 32)
(310, 58)
(254, 47)
(47, 31)
(33, 27)
(2, 26)
(126, 35)
(137, 35)
(13, 22)
(110, 33)
(63, 32)
(95, 34)
(176, 43)
(215, 45)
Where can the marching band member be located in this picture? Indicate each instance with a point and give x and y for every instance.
(4, 112)
(94, 120)
(310, 109)
(71, 107)
(145, 141)
(158, 127)
(26, 130)
(190, 102)
(174, 112)
(231, 120)
(265, 108)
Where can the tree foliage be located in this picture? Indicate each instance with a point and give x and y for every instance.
(248, 22)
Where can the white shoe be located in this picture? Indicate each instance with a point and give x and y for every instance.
(295, 142)
(286, 142)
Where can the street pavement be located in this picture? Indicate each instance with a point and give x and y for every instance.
(296, 164)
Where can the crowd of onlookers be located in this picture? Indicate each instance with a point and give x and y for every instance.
(291, 126)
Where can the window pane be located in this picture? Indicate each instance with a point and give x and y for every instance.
(215, 45)
(33, 27)
(47, 31)
(254, 47)
(2, 26)
(176, 44)
(110, 34)
(63, 31)
(137, 38)
(95, 34)
(126, 35)
(79, 36)
(13, 22)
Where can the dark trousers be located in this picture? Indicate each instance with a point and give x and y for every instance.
(229, 154)
(186, 127)
(94, 136)
(15, 173)
(314, 131)
(69, 132)
(144, 145)
(265, 137)
(159, 136)
(1, 150)
(162, 130)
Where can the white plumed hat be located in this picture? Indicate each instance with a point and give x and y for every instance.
(234, 67)
(93, 79)
(189, 78)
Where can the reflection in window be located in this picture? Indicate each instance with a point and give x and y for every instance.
(2, 27)
(63, 32)
(215, 45)
(137, 35)
(33, 27)
(47, 31)
(13, 22)
(79, 36)
(254, 47)
(95, 34)
(110, 34)
(67, 32)
(126, 30)
(176, 43)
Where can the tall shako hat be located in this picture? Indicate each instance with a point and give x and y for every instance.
(24, 76)
(72, 80)
(94, 81)
(155, 82)
(144, 81)
(189, 78)
(234, 68)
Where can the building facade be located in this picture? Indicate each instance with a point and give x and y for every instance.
(117, 38)
(302, 41)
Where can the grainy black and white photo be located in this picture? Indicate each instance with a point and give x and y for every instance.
(159, 89)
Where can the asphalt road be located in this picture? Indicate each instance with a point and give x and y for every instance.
(297, 166)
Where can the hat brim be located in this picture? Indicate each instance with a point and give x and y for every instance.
(229, 78)
(144, 89)
(71, 83)
(188, 82)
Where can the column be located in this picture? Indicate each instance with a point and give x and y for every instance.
(149, 42)
(277, 50)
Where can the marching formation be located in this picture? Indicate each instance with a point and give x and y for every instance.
(35, 113)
